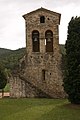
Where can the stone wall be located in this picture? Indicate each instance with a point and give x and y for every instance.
(17, 87)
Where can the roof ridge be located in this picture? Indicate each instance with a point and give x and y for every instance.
(41, 9)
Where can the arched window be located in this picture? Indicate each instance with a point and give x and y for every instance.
(49, 41)
(35, 41)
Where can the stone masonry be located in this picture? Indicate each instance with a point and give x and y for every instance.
(41, 75)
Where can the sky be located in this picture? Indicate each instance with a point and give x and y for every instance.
(12, 24)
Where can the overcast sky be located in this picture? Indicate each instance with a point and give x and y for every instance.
(12, 24)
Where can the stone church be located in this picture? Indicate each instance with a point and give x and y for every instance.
(39, 73)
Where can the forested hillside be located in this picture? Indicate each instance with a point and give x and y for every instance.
(10, 58)
(4, 51)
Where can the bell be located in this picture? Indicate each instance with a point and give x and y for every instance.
(35, 39)
(49, 40)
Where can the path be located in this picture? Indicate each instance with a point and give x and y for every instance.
(6, 94)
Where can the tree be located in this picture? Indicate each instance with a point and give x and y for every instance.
(72, 76)
(3, 80)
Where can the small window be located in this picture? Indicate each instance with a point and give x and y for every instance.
(42, 19)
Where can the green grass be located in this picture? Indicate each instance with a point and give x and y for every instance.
(38, 109)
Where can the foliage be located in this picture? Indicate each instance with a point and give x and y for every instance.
(63, 50)
(7, 88)
(10, 58)
(72, 78)
(4, 51)
(38, 109)
(3, 79)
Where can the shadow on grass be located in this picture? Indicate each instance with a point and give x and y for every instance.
(72, 106)
(63, 112)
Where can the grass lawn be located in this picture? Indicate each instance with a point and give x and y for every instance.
(38, 109)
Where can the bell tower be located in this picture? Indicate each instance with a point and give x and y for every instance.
(43, 57)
